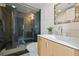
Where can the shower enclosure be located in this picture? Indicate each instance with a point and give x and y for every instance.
(32, 28)
(15, 29)
(25, 30)
(18, 28)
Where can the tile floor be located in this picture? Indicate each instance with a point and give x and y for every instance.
(32, 48)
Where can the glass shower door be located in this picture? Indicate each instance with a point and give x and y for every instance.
(20, 31)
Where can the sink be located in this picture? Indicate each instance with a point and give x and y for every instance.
(63, 38)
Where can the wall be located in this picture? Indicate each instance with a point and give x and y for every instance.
(68, 29)
(47, 18)
(27, 22)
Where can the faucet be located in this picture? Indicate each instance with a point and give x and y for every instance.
(61, 30)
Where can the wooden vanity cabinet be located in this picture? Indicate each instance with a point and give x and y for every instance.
(51, 48)
(42, 48)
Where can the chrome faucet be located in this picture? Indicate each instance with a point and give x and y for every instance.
(61, 30)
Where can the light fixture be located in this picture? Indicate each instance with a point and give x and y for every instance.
(31, 16)
(59, 10)
(13, 6)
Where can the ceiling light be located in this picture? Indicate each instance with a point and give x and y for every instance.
(31, 16)
(59, 10)
(13, 6)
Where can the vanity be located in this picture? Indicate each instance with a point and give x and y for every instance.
(57, 45)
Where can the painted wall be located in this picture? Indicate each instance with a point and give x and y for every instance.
(47, 18)
(69, 29)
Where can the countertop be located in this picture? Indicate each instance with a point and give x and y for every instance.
(72, 42)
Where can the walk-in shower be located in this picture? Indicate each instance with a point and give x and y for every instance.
(21, 24)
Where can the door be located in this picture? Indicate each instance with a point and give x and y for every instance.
(19, 25)
(7, 25)
(36, 25)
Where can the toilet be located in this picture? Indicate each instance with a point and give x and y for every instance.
(32, 48)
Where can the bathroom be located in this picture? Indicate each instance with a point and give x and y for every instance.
(33, 22)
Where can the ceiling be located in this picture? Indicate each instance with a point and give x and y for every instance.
(25, 8)
(37, 5)
(28, 7)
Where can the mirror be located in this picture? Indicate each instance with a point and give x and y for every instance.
(64, 13)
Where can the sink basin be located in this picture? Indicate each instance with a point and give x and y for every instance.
(61, 36)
